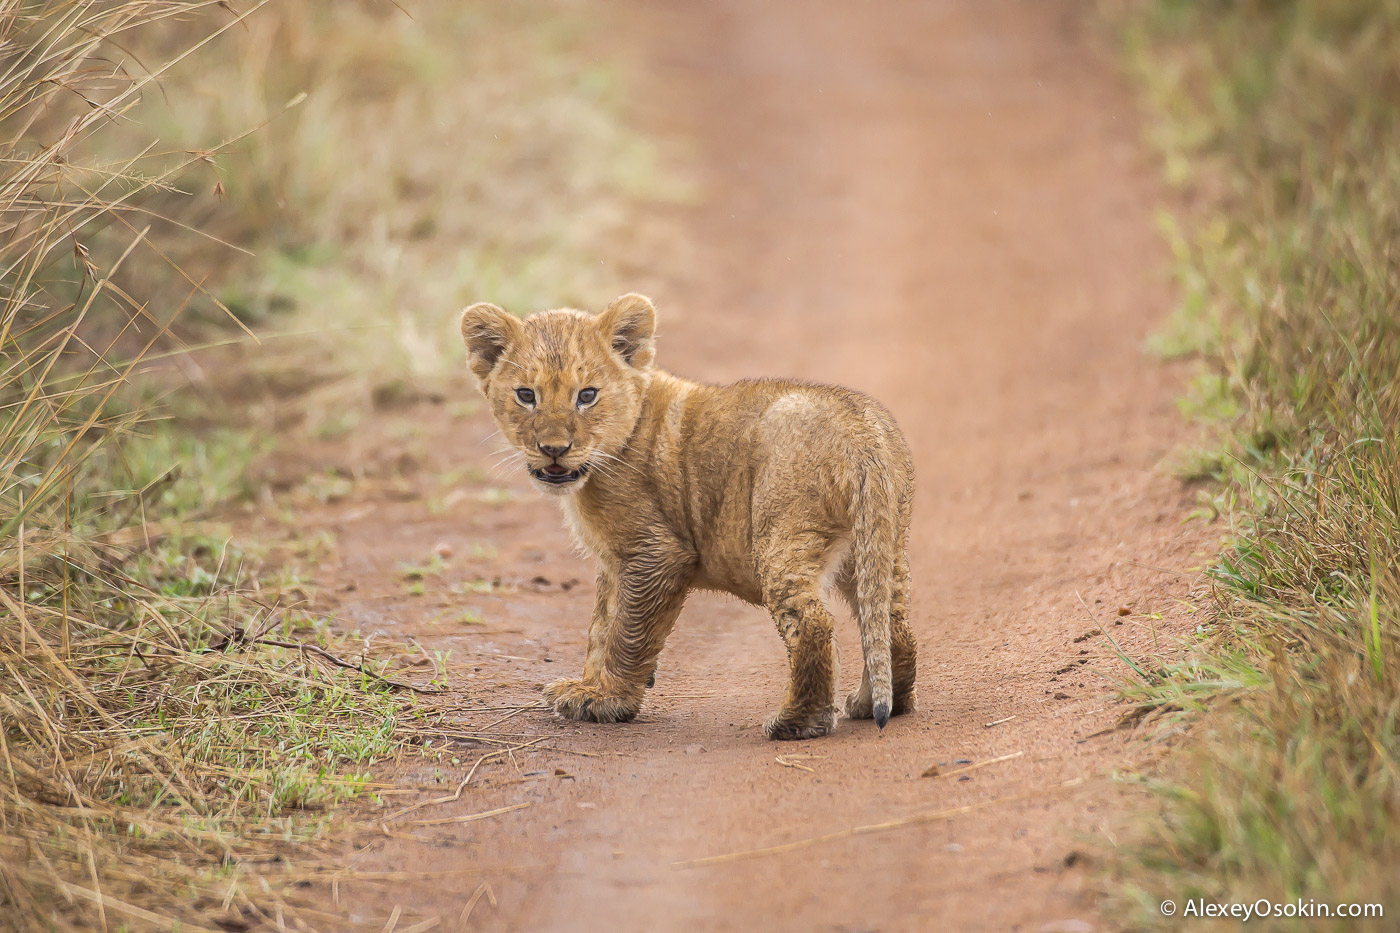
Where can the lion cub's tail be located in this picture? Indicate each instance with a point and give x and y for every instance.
(874, 545)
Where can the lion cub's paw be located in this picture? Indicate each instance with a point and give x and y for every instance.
(858, 705)
(785, 726)
(580, 702)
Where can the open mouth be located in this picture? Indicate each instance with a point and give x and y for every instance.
(559, 475)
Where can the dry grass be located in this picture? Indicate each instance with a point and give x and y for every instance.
(165, 744)
(338, 177)
(1280, 122)
(151, 753)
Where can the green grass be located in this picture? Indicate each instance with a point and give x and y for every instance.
(1278, 122)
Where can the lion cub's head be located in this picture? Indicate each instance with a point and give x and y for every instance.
(566, 386)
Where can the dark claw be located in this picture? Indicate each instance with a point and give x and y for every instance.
(651, 681)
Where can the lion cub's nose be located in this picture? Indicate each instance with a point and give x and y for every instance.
(552, 451)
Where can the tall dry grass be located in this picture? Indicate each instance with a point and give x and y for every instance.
(336, 177)
(155, 750)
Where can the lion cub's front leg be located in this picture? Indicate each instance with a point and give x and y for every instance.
(633, 615)
(591, 699)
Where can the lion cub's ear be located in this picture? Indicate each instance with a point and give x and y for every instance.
(629, 324)
(488, 332)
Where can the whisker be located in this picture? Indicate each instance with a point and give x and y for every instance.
(617, 460)
(508, 461)
(603, 468)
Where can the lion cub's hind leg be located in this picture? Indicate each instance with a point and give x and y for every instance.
(904, 650)
(791, 574)
(858, 704)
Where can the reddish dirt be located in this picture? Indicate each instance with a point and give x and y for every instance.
(942, 204)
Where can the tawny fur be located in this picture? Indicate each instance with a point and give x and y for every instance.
(771, 490)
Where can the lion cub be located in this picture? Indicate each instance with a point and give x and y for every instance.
(772, 490)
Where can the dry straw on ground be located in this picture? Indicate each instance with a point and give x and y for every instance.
(154, 755)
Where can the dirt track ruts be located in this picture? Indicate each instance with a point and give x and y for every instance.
(945, 205)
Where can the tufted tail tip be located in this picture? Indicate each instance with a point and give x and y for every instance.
(882, 714)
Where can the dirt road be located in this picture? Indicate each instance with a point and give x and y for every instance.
(945, 205)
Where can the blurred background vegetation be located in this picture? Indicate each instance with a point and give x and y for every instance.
(1279, 125)
(225, 226)
(216, 220)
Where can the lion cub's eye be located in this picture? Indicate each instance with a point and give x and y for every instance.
(526, 396)
(587, 396)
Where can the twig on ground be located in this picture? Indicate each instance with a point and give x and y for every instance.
(481, 889)
(422, 925)
(469, 818)
(790, 761)
(388, 833)
(457, 795)
(934, 772)
(511, 745)
(515, 712)
(340, 662)
(119, 906)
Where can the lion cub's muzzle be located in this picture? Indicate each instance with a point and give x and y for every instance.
(556, 474)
